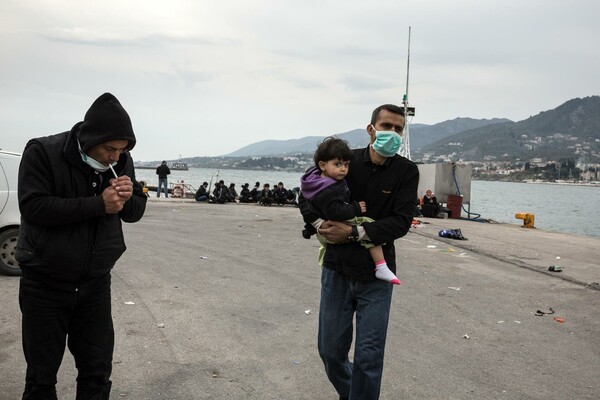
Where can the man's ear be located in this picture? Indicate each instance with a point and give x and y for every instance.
(371, 132)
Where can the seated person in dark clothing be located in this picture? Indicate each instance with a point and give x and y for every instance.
(280, 194)
(255, 193)
(245, 194)
(233, 196)
(221, 193)
(292, 196)
(266, 196)
(430, 205)
(201, 193)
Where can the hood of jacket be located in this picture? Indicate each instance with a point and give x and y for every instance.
(106, 120)
(311, 183)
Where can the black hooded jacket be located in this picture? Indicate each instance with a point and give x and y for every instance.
(390, 191)
(66, 237)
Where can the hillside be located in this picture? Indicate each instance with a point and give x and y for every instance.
(570, 131)
(420, 135)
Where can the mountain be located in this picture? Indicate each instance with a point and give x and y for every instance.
(571, 130)
(420, 135)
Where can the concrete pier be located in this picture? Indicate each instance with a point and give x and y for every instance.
(222, 302)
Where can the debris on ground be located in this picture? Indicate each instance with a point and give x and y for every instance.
(540, 313)
(452, 234)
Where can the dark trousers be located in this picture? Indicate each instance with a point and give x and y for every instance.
(82, 320)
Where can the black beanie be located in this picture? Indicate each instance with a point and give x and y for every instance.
(106, 120)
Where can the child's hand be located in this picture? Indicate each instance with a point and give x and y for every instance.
(363, 206)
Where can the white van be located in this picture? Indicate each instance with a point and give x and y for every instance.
(10, 218)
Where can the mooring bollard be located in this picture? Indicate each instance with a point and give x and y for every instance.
(528, 219)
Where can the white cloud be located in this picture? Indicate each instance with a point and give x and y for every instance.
(206, 78)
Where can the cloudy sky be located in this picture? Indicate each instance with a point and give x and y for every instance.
(203, 78)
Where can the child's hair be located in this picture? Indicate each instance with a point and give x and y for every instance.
(332, 148)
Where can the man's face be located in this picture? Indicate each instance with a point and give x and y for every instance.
(387, 121)
(108, 152)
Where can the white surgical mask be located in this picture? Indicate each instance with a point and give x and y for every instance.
(98, 166)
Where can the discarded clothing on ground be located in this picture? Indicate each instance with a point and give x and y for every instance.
(452, 233)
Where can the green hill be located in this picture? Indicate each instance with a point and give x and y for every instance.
(570, 131)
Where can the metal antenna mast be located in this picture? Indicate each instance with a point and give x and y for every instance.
(408, 111)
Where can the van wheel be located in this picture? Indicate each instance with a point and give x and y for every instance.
(8, 245)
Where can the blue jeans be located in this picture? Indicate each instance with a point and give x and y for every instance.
(162, 182)
(341, 297)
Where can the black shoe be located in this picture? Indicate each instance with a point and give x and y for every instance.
(343, 398)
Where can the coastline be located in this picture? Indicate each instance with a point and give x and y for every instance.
(591, 184)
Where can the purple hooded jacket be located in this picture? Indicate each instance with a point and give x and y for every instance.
(328, 198)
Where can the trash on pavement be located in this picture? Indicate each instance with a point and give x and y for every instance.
(559, 319)
(129, 303)
(555, 268)
(307, 312)
(452, 233)
(540, 313)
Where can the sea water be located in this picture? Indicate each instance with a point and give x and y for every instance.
(563, 208)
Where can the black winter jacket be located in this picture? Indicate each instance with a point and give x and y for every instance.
(66, 237)
(390, 192)
(333, 203)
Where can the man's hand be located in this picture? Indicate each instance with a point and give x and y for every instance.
(363, 206)
(115, 198)
(123, 186)
(335, 231)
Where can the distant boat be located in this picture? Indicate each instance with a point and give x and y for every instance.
(179, 166)
(175, 166)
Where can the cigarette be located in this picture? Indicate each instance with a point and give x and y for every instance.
(113, 171)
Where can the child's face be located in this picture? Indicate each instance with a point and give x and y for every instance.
(336, 169)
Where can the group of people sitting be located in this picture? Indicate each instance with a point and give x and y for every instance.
(222, 194)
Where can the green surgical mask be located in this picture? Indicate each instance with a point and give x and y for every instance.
(387, 143)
